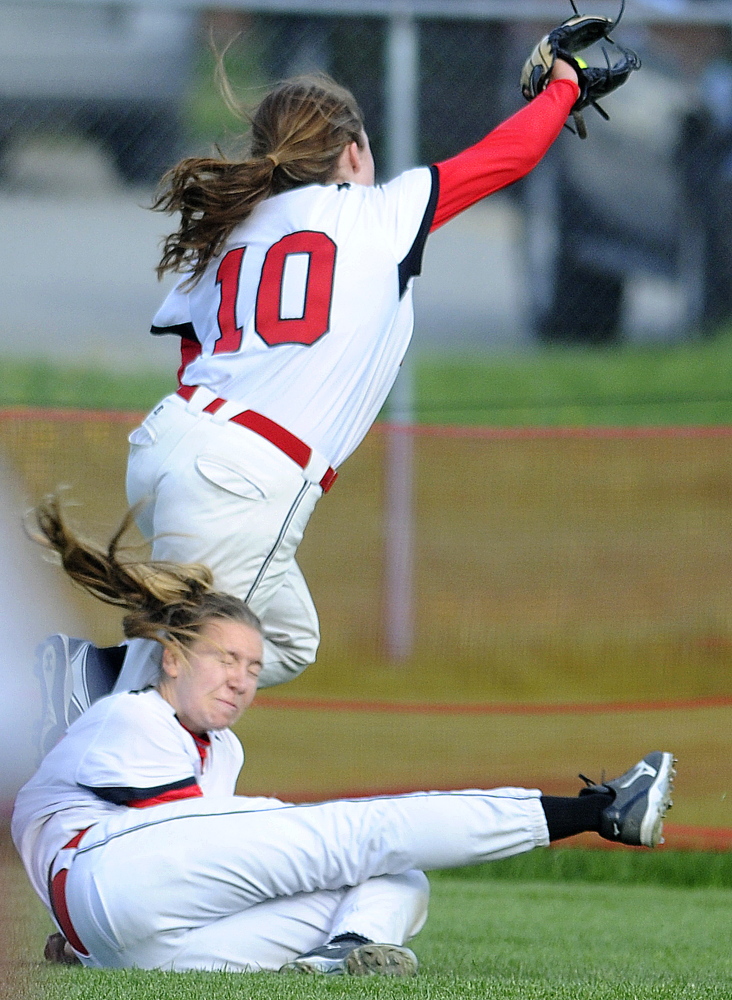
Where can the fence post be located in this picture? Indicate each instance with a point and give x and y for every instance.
(402, 58)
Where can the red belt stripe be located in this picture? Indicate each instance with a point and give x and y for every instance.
(57, 892)
(292, 446)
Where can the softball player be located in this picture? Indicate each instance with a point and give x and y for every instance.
(133, 838)
(294, 309)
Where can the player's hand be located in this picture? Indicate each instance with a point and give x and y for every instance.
(562, 70)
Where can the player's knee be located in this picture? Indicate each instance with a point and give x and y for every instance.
(419, 885)
(284, 663)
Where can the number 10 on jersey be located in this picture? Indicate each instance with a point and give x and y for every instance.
(294, 292)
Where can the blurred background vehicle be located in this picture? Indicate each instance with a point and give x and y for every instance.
(625, 236)
(643, 205)
(117, 73)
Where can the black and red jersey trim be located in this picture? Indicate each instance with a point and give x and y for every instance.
(411, 265)
(140, 797)
(184, 330)
(202, 741)
(172, 795)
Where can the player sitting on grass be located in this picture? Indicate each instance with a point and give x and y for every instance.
(133, 838)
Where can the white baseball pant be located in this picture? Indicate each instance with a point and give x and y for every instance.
(249, 884)
(214, 492)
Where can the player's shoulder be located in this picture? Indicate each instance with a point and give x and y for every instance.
(416, 182)
(147, 698)
(392, 211)
(132, 708)
(411, 185)
(126, 726)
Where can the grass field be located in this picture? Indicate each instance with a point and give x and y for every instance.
(555, 571)
(568, 924)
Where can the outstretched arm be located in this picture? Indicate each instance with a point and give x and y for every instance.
(507, 153)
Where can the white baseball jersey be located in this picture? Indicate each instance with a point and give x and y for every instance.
(127, 750)
(307, 313)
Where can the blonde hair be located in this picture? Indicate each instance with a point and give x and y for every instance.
(165, 601)
(297, 133)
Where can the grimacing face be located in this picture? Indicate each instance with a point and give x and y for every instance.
(211, 687)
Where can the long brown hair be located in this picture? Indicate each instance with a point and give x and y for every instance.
(297, 134)
(166, 601)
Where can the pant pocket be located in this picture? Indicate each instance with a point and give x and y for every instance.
(156, 424)
(251, 485)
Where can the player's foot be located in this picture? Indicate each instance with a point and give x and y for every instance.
(642, 796)
(73, 674)
(59, 951)
(344, 958)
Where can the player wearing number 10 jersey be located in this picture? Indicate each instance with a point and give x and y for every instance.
(294, 310)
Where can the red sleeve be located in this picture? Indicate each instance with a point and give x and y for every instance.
(506, 154)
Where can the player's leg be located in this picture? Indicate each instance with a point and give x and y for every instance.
(262, 937)
(198, 500)
(278, 932)
(213, 492)
(72, 674)
(224, 497)
(369, 930)
(189, 863)
(291, 630)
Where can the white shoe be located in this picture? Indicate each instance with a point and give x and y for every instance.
(73, 674)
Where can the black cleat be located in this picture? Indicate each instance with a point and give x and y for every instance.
(343, 958)
(641, 798)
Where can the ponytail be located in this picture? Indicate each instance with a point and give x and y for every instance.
(165, 601)
(297, 135)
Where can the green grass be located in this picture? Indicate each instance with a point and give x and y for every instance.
(41, 383)
(688, 383)
(678, 869)
(518, 940)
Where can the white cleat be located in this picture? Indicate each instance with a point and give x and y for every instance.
(73, 673)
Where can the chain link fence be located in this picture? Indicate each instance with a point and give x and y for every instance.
(624, 235)
(572, 609)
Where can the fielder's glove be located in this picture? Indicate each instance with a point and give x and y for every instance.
(573, 36)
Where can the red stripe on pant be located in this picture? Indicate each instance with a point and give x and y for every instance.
(57, 893)
(61, 911)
